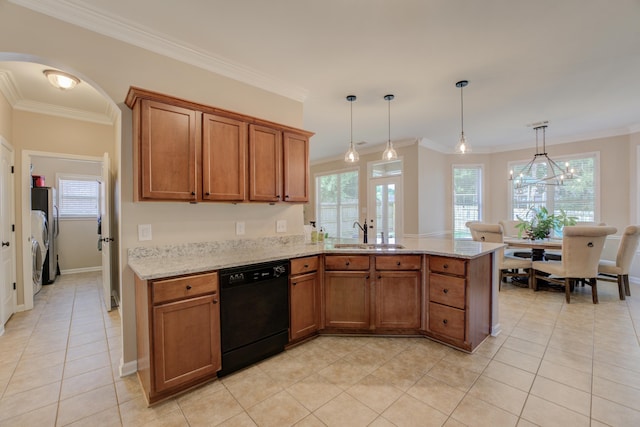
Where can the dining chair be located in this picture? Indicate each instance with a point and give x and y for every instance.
(552, 255)
(508, 266)
(581, 250)
(619, 268)
(509, 229)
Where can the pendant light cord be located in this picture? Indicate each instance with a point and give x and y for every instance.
(461, 111)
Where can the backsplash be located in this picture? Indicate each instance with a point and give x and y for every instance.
(205, 248)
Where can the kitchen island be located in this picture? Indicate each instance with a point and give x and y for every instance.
(443, 289)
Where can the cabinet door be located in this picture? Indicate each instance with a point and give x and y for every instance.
(347, 299)
(224, 158)
(398, 299)
(186, 341)
(296, 167)
(168, 156)
(265, 164)
(305, 305)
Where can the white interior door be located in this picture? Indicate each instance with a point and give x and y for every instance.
(385, 202)
(7, 251)
(104, 237)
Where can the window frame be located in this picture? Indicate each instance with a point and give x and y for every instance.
(77, 177)
(318, 175)
(561, 160)
(481, 196)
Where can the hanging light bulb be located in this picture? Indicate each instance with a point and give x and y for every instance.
(389, 152)
(462, 146)
(351, 156)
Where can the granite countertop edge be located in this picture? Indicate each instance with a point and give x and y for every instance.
(156, 263)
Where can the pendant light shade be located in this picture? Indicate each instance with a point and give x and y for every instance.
(389, 152)
(351, 156)
(463, 146)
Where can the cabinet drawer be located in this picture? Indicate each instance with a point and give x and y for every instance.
(446, 321)
(346, 262)
(304, 265)
(184, 287)
(446, 265)
(398, 262)
(447, 290)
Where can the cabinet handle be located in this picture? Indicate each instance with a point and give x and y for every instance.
(5, 244)
(379, 277)
(278, 196)
(193, 193)
(398, 263)
(286, 197)
(188, 287)
(444, 322)
(367, 277)
(347, 263)
(306, 266)
(294, 283)
(445, 266)
(215, 301)
(445, 290)
(207, 194)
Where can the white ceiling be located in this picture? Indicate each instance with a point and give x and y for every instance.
(574, 63)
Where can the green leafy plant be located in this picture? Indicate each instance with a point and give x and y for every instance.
(539, 223)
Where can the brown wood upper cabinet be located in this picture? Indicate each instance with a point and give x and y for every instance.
(193, 152)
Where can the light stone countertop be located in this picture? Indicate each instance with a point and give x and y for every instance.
(173, 260)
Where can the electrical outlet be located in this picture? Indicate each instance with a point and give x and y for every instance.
(239, 228)
(144, 232)
(281, 226)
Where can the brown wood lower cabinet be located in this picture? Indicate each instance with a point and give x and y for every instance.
(347, 299)
(398, 299)
(178, 333)
(304, 298)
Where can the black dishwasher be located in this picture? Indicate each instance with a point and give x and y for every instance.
(254, 313)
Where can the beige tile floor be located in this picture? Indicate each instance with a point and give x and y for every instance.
(553, 364)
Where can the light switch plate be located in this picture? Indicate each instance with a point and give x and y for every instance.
(281, 226)
(239, 228)
(144, 232)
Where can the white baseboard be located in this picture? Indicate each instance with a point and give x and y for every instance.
(128, 368)
(20, 308)
(81, 270)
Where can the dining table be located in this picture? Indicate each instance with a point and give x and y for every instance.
(537, 246)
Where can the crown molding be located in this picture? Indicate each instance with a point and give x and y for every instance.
(120, 29)
(68, 113)
(8, 88)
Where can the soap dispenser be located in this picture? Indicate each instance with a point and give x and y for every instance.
(314, 232)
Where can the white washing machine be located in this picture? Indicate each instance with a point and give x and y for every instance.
(39, 246)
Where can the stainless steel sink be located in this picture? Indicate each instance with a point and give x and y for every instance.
(367, 246)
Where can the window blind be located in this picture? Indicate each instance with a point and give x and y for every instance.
(467, 198)
(337, 203)
(78, 197)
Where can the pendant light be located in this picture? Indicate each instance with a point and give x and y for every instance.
(462, 146)
(389, 152)
(351, 156)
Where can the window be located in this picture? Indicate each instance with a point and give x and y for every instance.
(78, 196)
(337, 203)
(467, 197)
(577, 197)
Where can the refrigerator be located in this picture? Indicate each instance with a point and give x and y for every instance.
(44, 199)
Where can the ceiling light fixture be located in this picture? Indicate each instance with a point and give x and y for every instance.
(462, 146)
(541, 170)
(351, 156)
(61, 80)
(389, 152)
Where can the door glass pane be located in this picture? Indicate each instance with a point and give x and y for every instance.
(386, 211)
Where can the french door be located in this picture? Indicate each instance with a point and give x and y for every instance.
(385, 208)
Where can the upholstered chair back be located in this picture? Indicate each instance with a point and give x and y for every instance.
(509, 227)
(483, 232)
(627, 248)
(581, 249)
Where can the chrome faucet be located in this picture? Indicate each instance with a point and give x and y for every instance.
(362, 227)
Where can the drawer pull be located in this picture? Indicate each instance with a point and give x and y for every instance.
(445, 266)
(379, 277)
(306, 266)
(188, 287)
(398, 263)
(346, 263)
(215, 301)
(294, 283)
(444, 322)
(445, 290)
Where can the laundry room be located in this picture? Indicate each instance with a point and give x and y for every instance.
(64, 197)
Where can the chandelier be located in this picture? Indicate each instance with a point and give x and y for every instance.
(541, 171)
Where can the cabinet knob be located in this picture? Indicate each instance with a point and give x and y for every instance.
(445, 290)
(278, 196)
(188, 287)
(215, 301)
(367, 277)
(294, 283)
(347, 263)
(193, 193)
(286, 197)
(444, 322)
(445, 266)
(306, 266)
(379, 277)
(398, 263)
(207, 194)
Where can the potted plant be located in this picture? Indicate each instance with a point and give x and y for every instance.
(541, 223)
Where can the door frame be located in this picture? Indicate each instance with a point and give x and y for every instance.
(26, 214)
(12, 219)
(371, 199)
